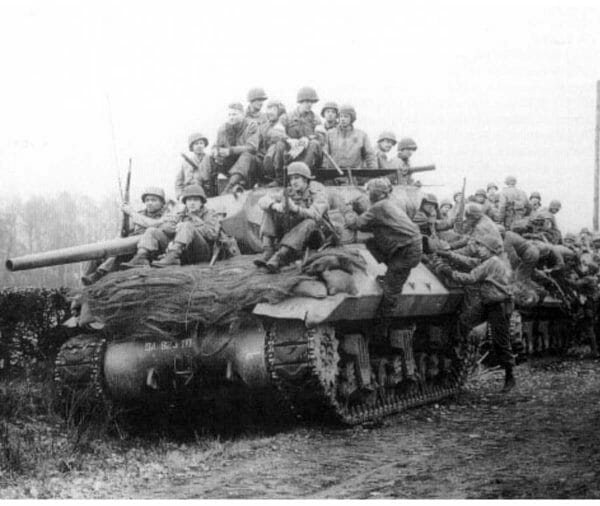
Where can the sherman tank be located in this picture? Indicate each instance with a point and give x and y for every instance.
(323, 354)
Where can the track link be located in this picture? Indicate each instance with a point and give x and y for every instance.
(304, 369)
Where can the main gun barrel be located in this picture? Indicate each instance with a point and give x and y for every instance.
(74, 254)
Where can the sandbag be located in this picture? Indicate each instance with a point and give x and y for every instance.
(339, 281)
(311, 288)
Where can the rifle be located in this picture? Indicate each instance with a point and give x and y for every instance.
(125, 221)
(461, 209)
(335, 165)
(286, 202)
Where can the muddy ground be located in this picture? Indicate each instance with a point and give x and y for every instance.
(541, 440)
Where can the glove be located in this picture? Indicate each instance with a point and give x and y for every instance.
(277, 207)
(293, 207)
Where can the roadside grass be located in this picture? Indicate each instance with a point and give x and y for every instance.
(49, 452)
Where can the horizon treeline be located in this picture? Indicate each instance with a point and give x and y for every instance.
(41, 223)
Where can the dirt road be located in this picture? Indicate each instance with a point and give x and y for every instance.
(541, 440)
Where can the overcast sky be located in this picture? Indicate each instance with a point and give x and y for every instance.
(486, 90)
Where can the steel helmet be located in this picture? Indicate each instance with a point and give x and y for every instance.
(257, 94)
(195, 137)
(537, 218)
(491, 242)
(554, 204)
(569, 236)
(307, 93)
(482, 192)
(535, 195)
(237, 106)
(299, 169)
(473, 210)
(430, 198)
(492, 185)
(510, 180)
(330, 105)
(154, 190)
(194, 190)
(349, 110)
(456, 194)
(389, 135)
(446, 202)
(407, 143)
(379, 185)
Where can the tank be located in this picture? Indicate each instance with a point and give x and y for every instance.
(321, 357)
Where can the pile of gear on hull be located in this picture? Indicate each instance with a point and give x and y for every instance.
(395, 291)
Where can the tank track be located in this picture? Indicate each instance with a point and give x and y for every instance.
(304, 371)
(78, 373)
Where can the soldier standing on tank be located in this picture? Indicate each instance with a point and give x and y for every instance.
(193, 231)
(397, 241)
(295, 221)
(491, 302)
(256, 99)
(330, 112)
(349, 147)
(507, 212)
(154, 214)
(406, 148)
(235, 150)
(385, 142)
(195, 167)
(300, 129)
(271, 149)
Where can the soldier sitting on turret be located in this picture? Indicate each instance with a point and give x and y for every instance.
(348, 146)
(154, 214)
(490, 301)
(305, 209)
(195, 167)
(385, 142)
(235, 150)
(397, 240)
(406, 148)
(193, 231)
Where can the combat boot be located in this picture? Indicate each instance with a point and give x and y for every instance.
(141, 259)
(91, 278)
(278, 260)
(235, 180)
(268, 252)
(509, 380)
(171, 258)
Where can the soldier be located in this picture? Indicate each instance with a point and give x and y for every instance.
(195, 167)
(235, 150)
(482, 200)
(427, 217)
(406, 148)
(522, 255)
(348, 146)
(300, 128)
(397, 240)
(271, 149)
(490, 302)
(385, 142)
(492, 192)
(476, 226)
(506, 205)
(154, 214)
(193, 230)
(587, 286)
(306, 208)
(330, 113)
(256, 99)
(445, 208)
(535, 202)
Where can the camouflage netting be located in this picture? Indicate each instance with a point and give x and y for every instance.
(138, 303)
(166, 302)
